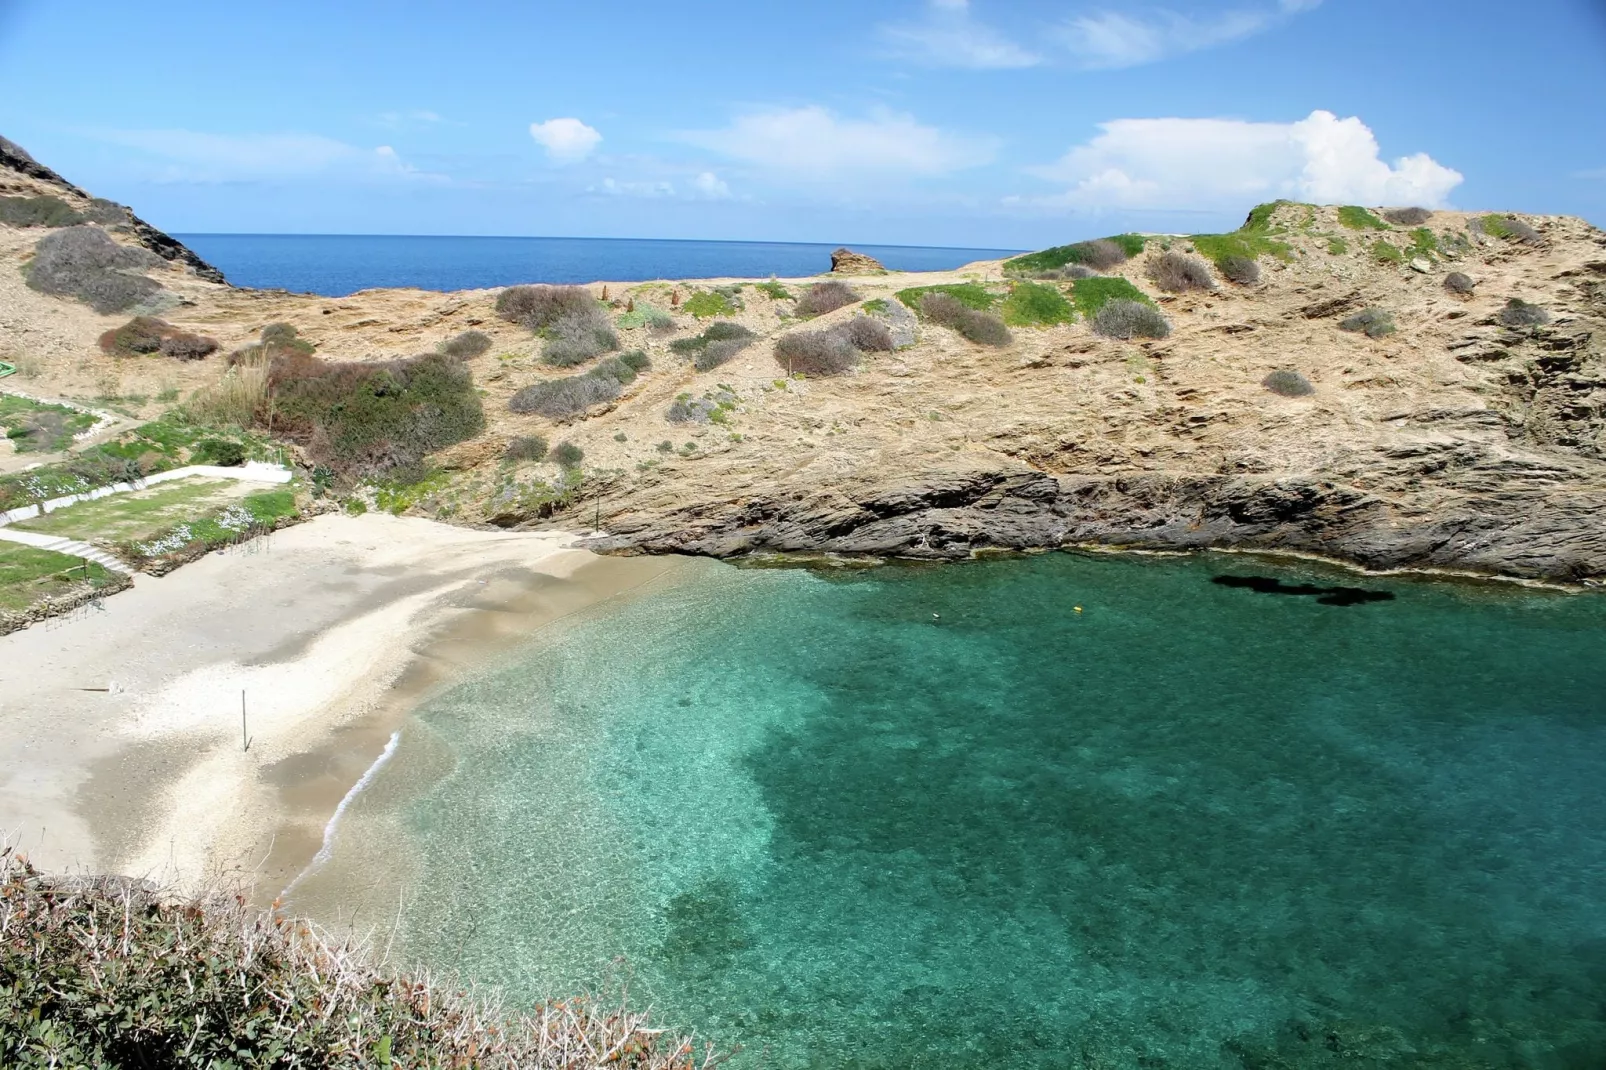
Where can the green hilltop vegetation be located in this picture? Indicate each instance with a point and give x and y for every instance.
(1078, 253)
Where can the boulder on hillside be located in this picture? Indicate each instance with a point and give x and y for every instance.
(848, 262)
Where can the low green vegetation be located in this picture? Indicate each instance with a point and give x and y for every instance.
(1032, 304)
(29, 575)
(644, 315)
(1355, 217)
(1507, 226)
(1285, 382)
(706, 304)
(1090, 295)
(37, 427)
(971, 294)
(773, 290)
(1337, 246)
(41, 211)
(171, 442)
(250, 515)
(137, 514)
(1386, 252)
(1095, 254)
(1256, 238)
(1424, 244)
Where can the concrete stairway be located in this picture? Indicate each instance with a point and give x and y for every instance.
(70, 547)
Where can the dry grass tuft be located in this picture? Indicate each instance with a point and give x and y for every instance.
(1176, 273)
(825, 297)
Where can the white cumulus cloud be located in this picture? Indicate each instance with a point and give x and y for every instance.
(811, 142)
(1216, 164)
(711, 186)
(949, 36)
(566, 140)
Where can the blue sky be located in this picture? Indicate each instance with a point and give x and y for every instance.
(930, 122)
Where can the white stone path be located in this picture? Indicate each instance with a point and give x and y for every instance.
(255, 472)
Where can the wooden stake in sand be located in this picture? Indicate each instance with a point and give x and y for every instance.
(245, 740)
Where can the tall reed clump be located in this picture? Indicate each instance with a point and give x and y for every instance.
(113, 972)
(236, 398)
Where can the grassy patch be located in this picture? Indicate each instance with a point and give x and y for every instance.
(1385, 252)
(970, 294)
(1424, 244)
(251, 515)
(1337, 246)
(137, 514)
(774, 290)
(710, 303)
(1076, 253)
(1355, 217)
(1256, 238)
(1032, 304)
(1090, 295)
(29, 575)
(35, 427)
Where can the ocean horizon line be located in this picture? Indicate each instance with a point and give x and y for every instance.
(561, 237)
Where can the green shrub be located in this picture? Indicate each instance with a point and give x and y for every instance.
(1032, 304)
(85, 263)
(526, 448)
(1423, 244)
(636, 360)
(724, 339)
(1337, 246)
(647, 316)
(1373, 322)
(576, 337)
(1123, 318)
(1355, 217)
(1519, 313)
(970, 294)
(1099, 254)
(825, 297)
(40, 211)
(147, 334)
(1288, 384)
(983, 328)
(373, 418)
(1175, 273)
(537, 307)
(468, 345)
(718, 353)
(1386, 252)
(1458, 283)
(774, 290)
(1090, 295)
(568, 454)
(224, 452)
(709, 303)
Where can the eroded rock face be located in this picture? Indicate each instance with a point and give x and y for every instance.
(848, 262)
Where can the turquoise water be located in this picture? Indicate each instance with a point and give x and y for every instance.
(1195, 825)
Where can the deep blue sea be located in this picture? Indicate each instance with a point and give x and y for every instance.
(335, 265)
(938, 816)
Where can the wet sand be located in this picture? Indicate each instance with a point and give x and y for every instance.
(121, 745)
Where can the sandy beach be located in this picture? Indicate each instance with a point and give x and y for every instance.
(121, 743)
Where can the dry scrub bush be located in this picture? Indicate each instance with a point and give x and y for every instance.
(526, 448)
(1458, 283)
(980, 327)
(1239, 269)
(718, 353)
(1101, 254)
(147, 334)
(1373, 322)
(825, 297)
(1068, 273)
(1126, 319)
(560, 398)
(1407, 217)
(1288, 384)
(236, 398)
(1175, 273)
(825, 352)
(536, 307)
(468, 345)
(85, 263)
(112, 972)
(716, 345)
(41, 211)
(576, 337)
(1519, 313)
(868, 335)
(567, 454)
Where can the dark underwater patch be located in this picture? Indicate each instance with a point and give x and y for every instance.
(1327, 596)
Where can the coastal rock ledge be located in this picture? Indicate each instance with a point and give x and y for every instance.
(848, 262)
(1518, 528)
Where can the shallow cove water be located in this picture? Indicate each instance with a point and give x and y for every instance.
(933, 816)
